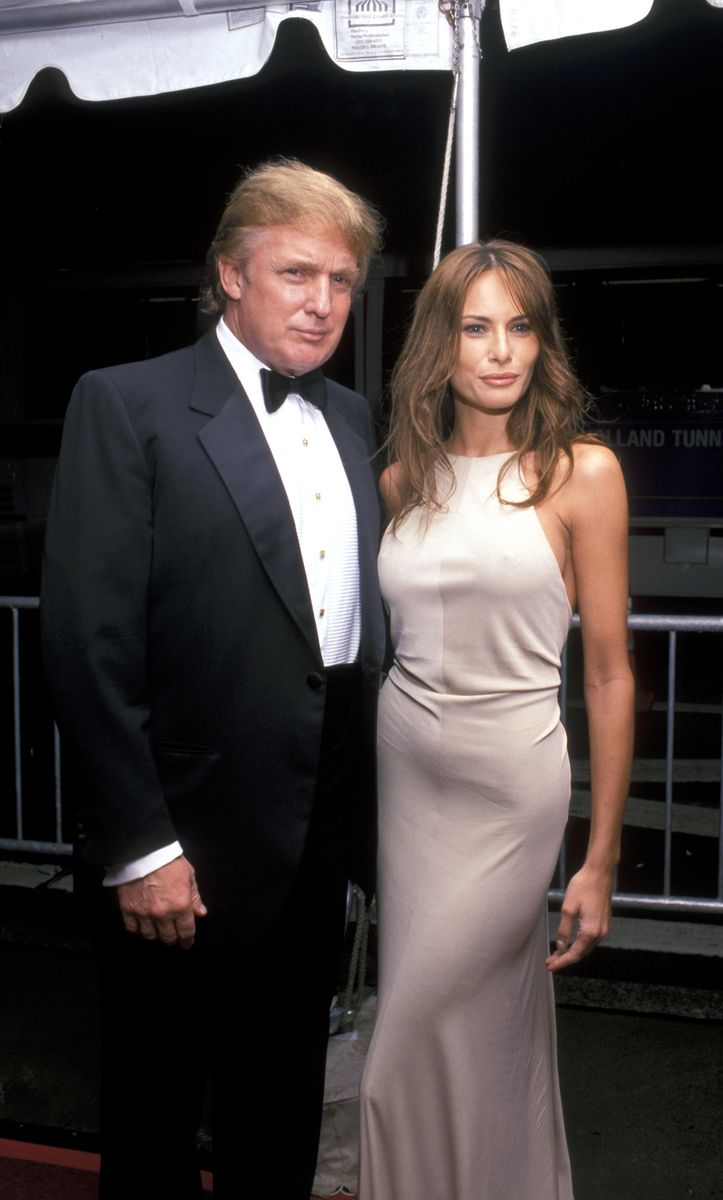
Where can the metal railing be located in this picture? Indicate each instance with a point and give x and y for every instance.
(56, 846)
(665, 900)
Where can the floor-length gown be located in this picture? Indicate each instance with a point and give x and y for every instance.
(460, 1098)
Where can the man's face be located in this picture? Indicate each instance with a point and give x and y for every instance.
(289, 301)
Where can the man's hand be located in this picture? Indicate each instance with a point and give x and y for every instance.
(164, 904)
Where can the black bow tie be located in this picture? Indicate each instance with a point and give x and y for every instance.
(276, 387)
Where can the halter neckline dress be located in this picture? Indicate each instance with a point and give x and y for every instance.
(460, 1097)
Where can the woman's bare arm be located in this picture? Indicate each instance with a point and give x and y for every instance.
(597, 512)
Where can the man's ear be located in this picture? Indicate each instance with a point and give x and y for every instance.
(231, 277)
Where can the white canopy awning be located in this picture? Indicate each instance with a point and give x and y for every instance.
(170, 45)
(113, 49)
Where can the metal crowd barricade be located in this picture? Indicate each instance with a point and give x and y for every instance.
(667, 901)
(16, 605)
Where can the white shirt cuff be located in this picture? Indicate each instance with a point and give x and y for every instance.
(138, 867)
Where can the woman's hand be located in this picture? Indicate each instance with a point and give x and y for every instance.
(585, 918)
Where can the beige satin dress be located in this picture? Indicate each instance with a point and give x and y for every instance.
(460, 1097)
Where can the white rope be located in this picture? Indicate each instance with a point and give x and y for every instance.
(358, 963)
(445, 171)
(451, 9)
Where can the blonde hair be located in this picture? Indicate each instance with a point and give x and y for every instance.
(546, 421)
(284, 191)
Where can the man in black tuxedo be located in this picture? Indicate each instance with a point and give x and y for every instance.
(213, 636)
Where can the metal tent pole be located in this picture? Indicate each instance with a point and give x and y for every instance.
(467, 132)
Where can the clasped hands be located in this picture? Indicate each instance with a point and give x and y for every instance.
(163, 905)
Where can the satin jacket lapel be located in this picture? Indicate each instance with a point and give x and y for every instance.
(354, 454)
(238, 449)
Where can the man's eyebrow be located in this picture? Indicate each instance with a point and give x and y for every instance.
(297, 260)
(292, 260)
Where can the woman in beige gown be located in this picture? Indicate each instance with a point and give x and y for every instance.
(503, 517)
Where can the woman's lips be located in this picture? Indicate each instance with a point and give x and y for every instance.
(500, 380)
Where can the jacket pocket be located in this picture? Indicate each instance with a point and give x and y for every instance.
(186, 771)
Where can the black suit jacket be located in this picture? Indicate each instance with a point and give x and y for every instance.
(179, 639)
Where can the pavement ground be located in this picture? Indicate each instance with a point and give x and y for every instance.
(640, 1046)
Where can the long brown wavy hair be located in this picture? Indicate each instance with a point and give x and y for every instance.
(545, 422)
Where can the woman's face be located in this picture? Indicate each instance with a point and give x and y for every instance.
(497, 348)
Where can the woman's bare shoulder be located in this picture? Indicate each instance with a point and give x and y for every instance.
(594, 463)
(594, 492)
(586, 462)
(391, 483)
(589, 481)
